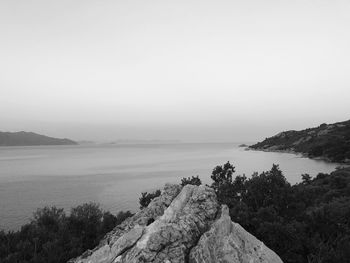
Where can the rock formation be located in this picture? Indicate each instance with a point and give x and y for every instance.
(181, 225)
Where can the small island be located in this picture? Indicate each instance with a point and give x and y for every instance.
(23, 138)
(329, 142)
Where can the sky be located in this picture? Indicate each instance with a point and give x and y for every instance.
(186, 70)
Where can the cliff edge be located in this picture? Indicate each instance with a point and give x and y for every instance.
(183, 224)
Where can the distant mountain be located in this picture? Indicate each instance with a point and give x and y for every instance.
(30, 138)
(327, 141)
(140, 141)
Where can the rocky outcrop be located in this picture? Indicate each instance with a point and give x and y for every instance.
(181, 225)
(227, 241)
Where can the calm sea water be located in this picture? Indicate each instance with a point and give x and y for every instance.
(115, 175)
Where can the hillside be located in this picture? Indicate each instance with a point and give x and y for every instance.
(327, 141)
(30, 138)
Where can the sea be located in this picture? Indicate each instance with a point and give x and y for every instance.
(114, 175)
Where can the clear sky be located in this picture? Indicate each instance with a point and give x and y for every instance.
(189, 70)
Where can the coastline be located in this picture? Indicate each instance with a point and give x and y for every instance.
(300, 154)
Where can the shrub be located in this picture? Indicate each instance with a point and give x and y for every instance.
(55, 237)
(146, 198)
(194, 180)
(306, 222)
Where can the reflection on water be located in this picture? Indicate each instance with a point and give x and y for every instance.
(115, 175)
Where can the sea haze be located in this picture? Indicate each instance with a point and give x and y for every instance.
(114, 175)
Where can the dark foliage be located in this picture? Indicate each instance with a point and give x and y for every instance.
(54, 237)
(307, 222)
(222, 183)
(194, 180)
(146, 198)
(327, 141)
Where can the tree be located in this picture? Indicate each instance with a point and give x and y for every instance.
(268, 188)
(54, 237)
(85, 220)
(222, 175)
(306, 178)
(223, 186)
(49, 218)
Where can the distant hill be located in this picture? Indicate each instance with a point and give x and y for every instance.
(30, 138)
(327, 141)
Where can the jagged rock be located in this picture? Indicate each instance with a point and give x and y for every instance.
(171, 237)
(181, 225)
(228, 242)
(105, 252)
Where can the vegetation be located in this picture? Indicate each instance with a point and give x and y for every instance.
(194, 180)
(330, 142)
(54, 237)
(307, 222)
(146, 198)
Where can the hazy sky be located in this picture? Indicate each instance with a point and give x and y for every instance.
(191, 70)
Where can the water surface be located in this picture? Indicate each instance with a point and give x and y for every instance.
(115, 175)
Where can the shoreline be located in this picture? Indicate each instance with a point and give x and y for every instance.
(300, 154)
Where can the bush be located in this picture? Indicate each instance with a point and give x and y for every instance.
(146, 198)
(54, 237)
(306, 222)
(223, 184)
(194, 180)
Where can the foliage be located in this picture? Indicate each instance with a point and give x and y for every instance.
(54, 237)
(307, 222)
(194, 180)
(146, 198)
(222, 175)
(222, 183)
(306, 178)
(327, 141)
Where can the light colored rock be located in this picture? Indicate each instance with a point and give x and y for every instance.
(128, 232)
(228, 242)
(127, 240)
(182, 225)
(171, 237)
